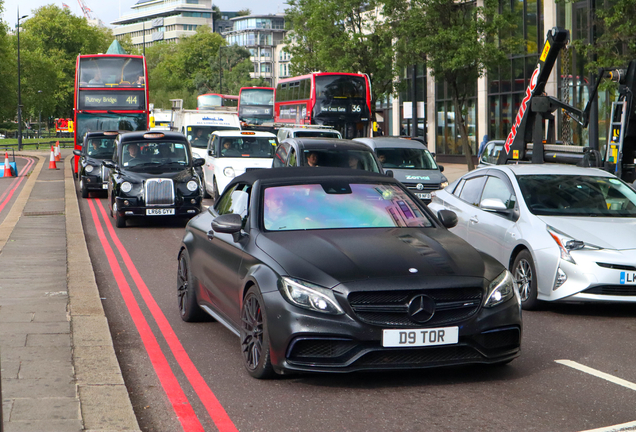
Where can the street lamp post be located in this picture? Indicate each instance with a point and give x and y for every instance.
(39, 117)
(220, 72)
(19, 94)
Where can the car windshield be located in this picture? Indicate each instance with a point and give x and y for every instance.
(248, 147)
(577, 195)
(319, 134)
(199, 135)
(406, 158)
(340, 205)
(100, 148)
(148, 153)
(342, 158)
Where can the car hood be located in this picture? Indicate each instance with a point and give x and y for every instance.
(427, 177)
(330, 257)
(607, 233)
(177, 176)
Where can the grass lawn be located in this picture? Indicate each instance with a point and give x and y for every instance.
(32, 144)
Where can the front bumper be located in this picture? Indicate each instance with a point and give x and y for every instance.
(132, 207)
(94, 183)
(302, 340)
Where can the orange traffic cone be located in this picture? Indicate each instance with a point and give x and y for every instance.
(52, 160)
(7, 168)
(58, 153)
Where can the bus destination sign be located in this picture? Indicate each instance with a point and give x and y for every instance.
(115, 100)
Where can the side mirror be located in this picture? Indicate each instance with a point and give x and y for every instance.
(211, 152)
(228, 223)
(493, 204)
(441, 168)
(77, 152)
(433, 154)
(198, 162)
(388, 173)
(447, 218)
(109, 164)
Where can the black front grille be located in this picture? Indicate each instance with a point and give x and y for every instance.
(616, 290)
(252, 169)
(390, 308)
(419, 357)
(425, 188)
(617, 266)
(319, 348)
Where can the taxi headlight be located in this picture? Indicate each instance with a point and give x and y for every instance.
(501, 289)
(192, 186)
(229, 172)
(309, 296)
(126, 187)
(89, 168)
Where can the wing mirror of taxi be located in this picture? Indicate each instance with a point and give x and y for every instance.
(198, 162)
(77, 152)
(109, 164)
(447, 218)
(388, 173)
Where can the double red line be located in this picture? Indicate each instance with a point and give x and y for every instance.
(179, 401)
(8, 194)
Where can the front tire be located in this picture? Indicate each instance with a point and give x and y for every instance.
(120, 221)
(205, 188)
(189, 308)
(215, 190)
(525, 275)
(254, 336)
(83, 189)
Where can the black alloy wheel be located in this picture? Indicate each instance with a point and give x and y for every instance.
(254, 336)
(525, 276)
(189, 309)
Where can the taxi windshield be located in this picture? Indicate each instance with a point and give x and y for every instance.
(148, 153)
(248, 147)
(100, 148)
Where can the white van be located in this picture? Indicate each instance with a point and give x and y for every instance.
(198, 125)
(232, 153)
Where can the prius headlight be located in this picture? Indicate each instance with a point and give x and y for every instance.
(567, 244)
(126, 187)
(501, 289)
(309, 296)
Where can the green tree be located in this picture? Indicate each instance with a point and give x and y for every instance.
(458, 42)
(235, 65)
(8, 82)
(359, 40)
(244, 12)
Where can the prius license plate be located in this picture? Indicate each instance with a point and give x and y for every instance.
(159, 212)
(421, 195)
(420, 337)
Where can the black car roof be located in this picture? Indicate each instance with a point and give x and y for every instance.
(102, 134)
(302, 175)
(325, 143)
(139, 136)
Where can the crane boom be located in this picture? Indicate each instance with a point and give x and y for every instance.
(85, 10)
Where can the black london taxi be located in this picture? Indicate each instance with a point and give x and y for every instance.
(153, 174)
(96, 147)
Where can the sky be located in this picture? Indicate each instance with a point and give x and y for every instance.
(110, 10)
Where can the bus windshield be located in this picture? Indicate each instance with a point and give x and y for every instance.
(111, 72)
(109, 122)
(340, 87)
(207, 101)
(257, 97)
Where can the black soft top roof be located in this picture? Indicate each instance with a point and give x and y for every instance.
(139, 136)
(303, 175)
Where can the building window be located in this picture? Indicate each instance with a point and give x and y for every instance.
(406, 95)
(266, 67)
(447, 137)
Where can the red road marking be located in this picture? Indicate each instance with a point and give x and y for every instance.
(180, 404)
(17, 180)
(212, 405)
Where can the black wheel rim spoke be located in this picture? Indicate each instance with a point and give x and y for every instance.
(252, 337)
(182, 290)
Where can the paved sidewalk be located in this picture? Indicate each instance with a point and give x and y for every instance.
(59, 370)
(454, 171)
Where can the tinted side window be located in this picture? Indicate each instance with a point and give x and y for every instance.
(497, 188)
(280, 157)
(471, 192)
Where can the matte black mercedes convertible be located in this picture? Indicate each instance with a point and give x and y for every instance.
(338, 270)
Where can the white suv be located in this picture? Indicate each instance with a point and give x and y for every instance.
(307, 132)
(232, 153)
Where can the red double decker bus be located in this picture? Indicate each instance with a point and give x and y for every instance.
(110, 95)
(210, 101)
(340, 100)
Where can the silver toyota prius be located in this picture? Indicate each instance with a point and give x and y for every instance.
(566, 233)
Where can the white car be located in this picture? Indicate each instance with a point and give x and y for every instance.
(307, 132)
(566, 233)
(232, 153)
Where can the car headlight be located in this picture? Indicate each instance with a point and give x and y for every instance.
(309, 296)
(501, 289)
(126, 187)
(192, 186)
(89, 168)
(567, 244)
(229, 172)
(443, 184)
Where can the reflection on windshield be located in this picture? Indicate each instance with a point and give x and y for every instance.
(200, 135)
(111, 72)
(340, 86)
(109, 122)
(354, 159)
(406, 158)
(207, 101)
(248, 147)
(154, 153)
(315, 206)
(100, 148)
(257, 97)
(561, 195)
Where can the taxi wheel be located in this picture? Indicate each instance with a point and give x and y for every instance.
(255, 337)
(84, 190)
(525, 276)
(189, 308)
(120, 221)
(215, 191)
(205, 188)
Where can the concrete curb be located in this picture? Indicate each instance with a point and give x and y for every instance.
(104, 400)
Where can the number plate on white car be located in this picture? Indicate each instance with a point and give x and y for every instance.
(421, 195)
(159, 212)
(420, 337)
